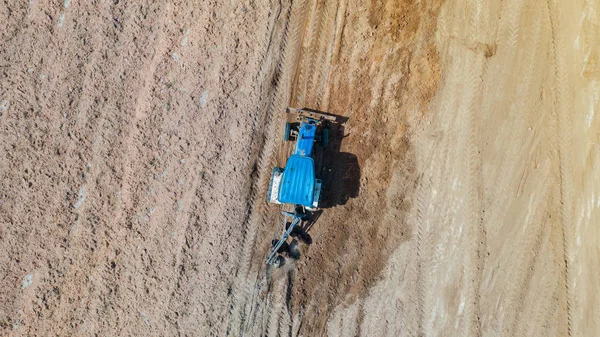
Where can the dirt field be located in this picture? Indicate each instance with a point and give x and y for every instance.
(138, 137)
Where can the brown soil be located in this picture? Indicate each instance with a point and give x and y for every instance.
(461, 194)
(357, 238)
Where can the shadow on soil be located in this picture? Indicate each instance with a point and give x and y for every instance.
(339, 172)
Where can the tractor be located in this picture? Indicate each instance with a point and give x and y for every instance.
(296, 186)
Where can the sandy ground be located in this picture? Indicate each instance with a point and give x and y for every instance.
(138, 139)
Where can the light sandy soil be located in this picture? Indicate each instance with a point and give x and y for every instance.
(138, 139)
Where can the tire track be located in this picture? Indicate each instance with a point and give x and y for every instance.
(256, 204)
(320, 76)
(309, 67)
(467, 130)
(309, 29)
(521, 104)
(315, 47)
(422, 251)
(333, 51)
(430, 257)
(533, 238)
(475, 29)
(540, 295)
(513, 10)
(244, 300)
(313, 40)
(563, 123)
(160, 48)
(84, 107)
(426, 199)
(311, 85)
(300, 74)
(276, 311)
(524, 84)
(423, 278)
(475, 195)
(292, 64)
(314, 65)
(426, 196)
(506, 163)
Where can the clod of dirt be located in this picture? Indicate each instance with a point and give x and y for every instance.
(81, 198)
(203, 99)
(27, 281)
(144, 318)
(4, 105)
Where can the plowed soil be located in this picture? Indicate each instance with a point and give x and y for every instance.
(461, 194)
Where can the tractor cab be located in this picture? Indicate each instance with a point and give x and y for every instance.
(298, 185)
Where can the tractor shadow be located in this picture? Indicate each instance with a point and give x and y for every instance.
(339, 171)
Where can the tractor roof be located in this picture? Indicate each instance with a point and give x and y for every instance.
(298, 183)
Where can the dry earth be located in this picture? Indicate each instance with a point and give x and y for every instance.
(137, 140)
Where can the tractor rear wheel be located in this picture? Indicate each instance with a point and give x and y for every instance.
(325, 138)
(287, 132)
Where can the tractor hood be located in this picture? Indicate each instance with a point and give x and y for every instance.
(306, 139)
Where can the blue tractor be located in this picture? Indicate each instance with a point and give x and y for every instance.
(296, 186)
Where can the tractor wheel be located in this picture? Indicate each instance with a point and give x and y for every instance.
(287, 132)
(325, 138)
(279, 261)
